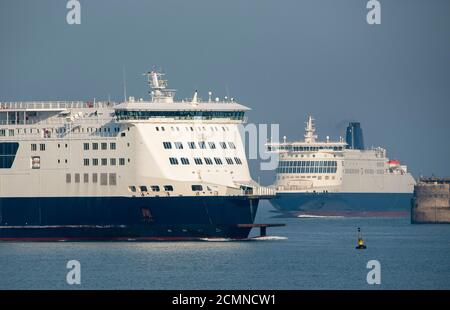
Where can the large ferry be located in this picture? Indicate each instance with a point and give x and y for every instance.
(139, 170)
(339, 177)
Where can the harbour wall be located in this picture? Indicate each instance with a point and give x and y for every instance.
(431, 201)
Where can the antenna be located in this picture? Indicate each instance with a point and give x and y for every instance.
(124, 85)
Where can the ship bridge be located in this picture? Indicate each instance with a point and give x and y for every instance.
(179, 110)
(163, 105)
(310, 144)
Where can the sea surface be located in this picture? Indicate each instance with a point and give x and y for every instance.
(319, 253)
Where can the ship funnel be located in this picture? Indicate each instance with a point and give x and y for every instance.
(354, 136)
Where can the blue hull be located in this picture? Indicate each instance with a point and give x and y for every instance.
(125, 218)
(344, 203)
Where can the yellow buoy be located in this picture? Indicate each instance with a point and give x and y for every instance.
(361, 245)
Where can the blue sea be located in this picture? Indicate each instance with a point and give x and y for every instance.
(314, 253)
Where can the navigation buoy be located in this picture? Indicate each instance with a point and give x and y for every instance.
(361, 245)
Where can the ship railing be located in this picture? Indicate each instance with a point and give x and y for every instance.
(54, 105)
(58, 121)
(258, 191)
(6, 136)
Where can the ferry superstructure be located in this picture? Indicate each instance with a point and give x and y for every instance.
(138, 170)
(339, 177)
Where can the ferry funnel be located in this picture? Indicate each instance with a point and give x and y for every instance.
(354, 136)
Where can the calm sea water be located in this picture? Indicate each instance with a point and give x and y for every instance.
(317, 254)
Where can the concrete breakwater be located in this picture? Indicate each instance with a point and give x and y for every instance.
(431, 201)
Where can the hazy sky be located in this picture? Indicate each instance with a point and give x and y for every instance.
(284, 59)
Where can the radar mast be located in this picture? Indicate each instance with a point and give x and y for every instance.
(158, 85)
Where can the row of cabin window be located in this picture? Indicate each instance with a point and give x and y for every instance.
(153, 188)
(3, 132)
(103, 145)
(105, 178)
(308, 163)
(156, 188)
(201, 145)
(48, 131)
(304, 148)
(104, 161)
(208, 161)
(306, 169)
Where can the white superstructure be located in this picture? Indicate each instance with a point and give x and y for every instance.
(160, 147)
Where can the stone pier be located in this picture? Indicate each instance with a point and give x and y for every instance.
(431, 202)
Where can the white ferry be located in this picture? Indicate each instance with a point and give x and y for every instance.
(139, 170)
(339, 177)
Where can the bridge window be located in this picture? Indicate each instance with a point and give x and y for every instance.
(187, 114)
(307, 167)
(173, 161)
(218, 160)
(202, 145)
(167, 145)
